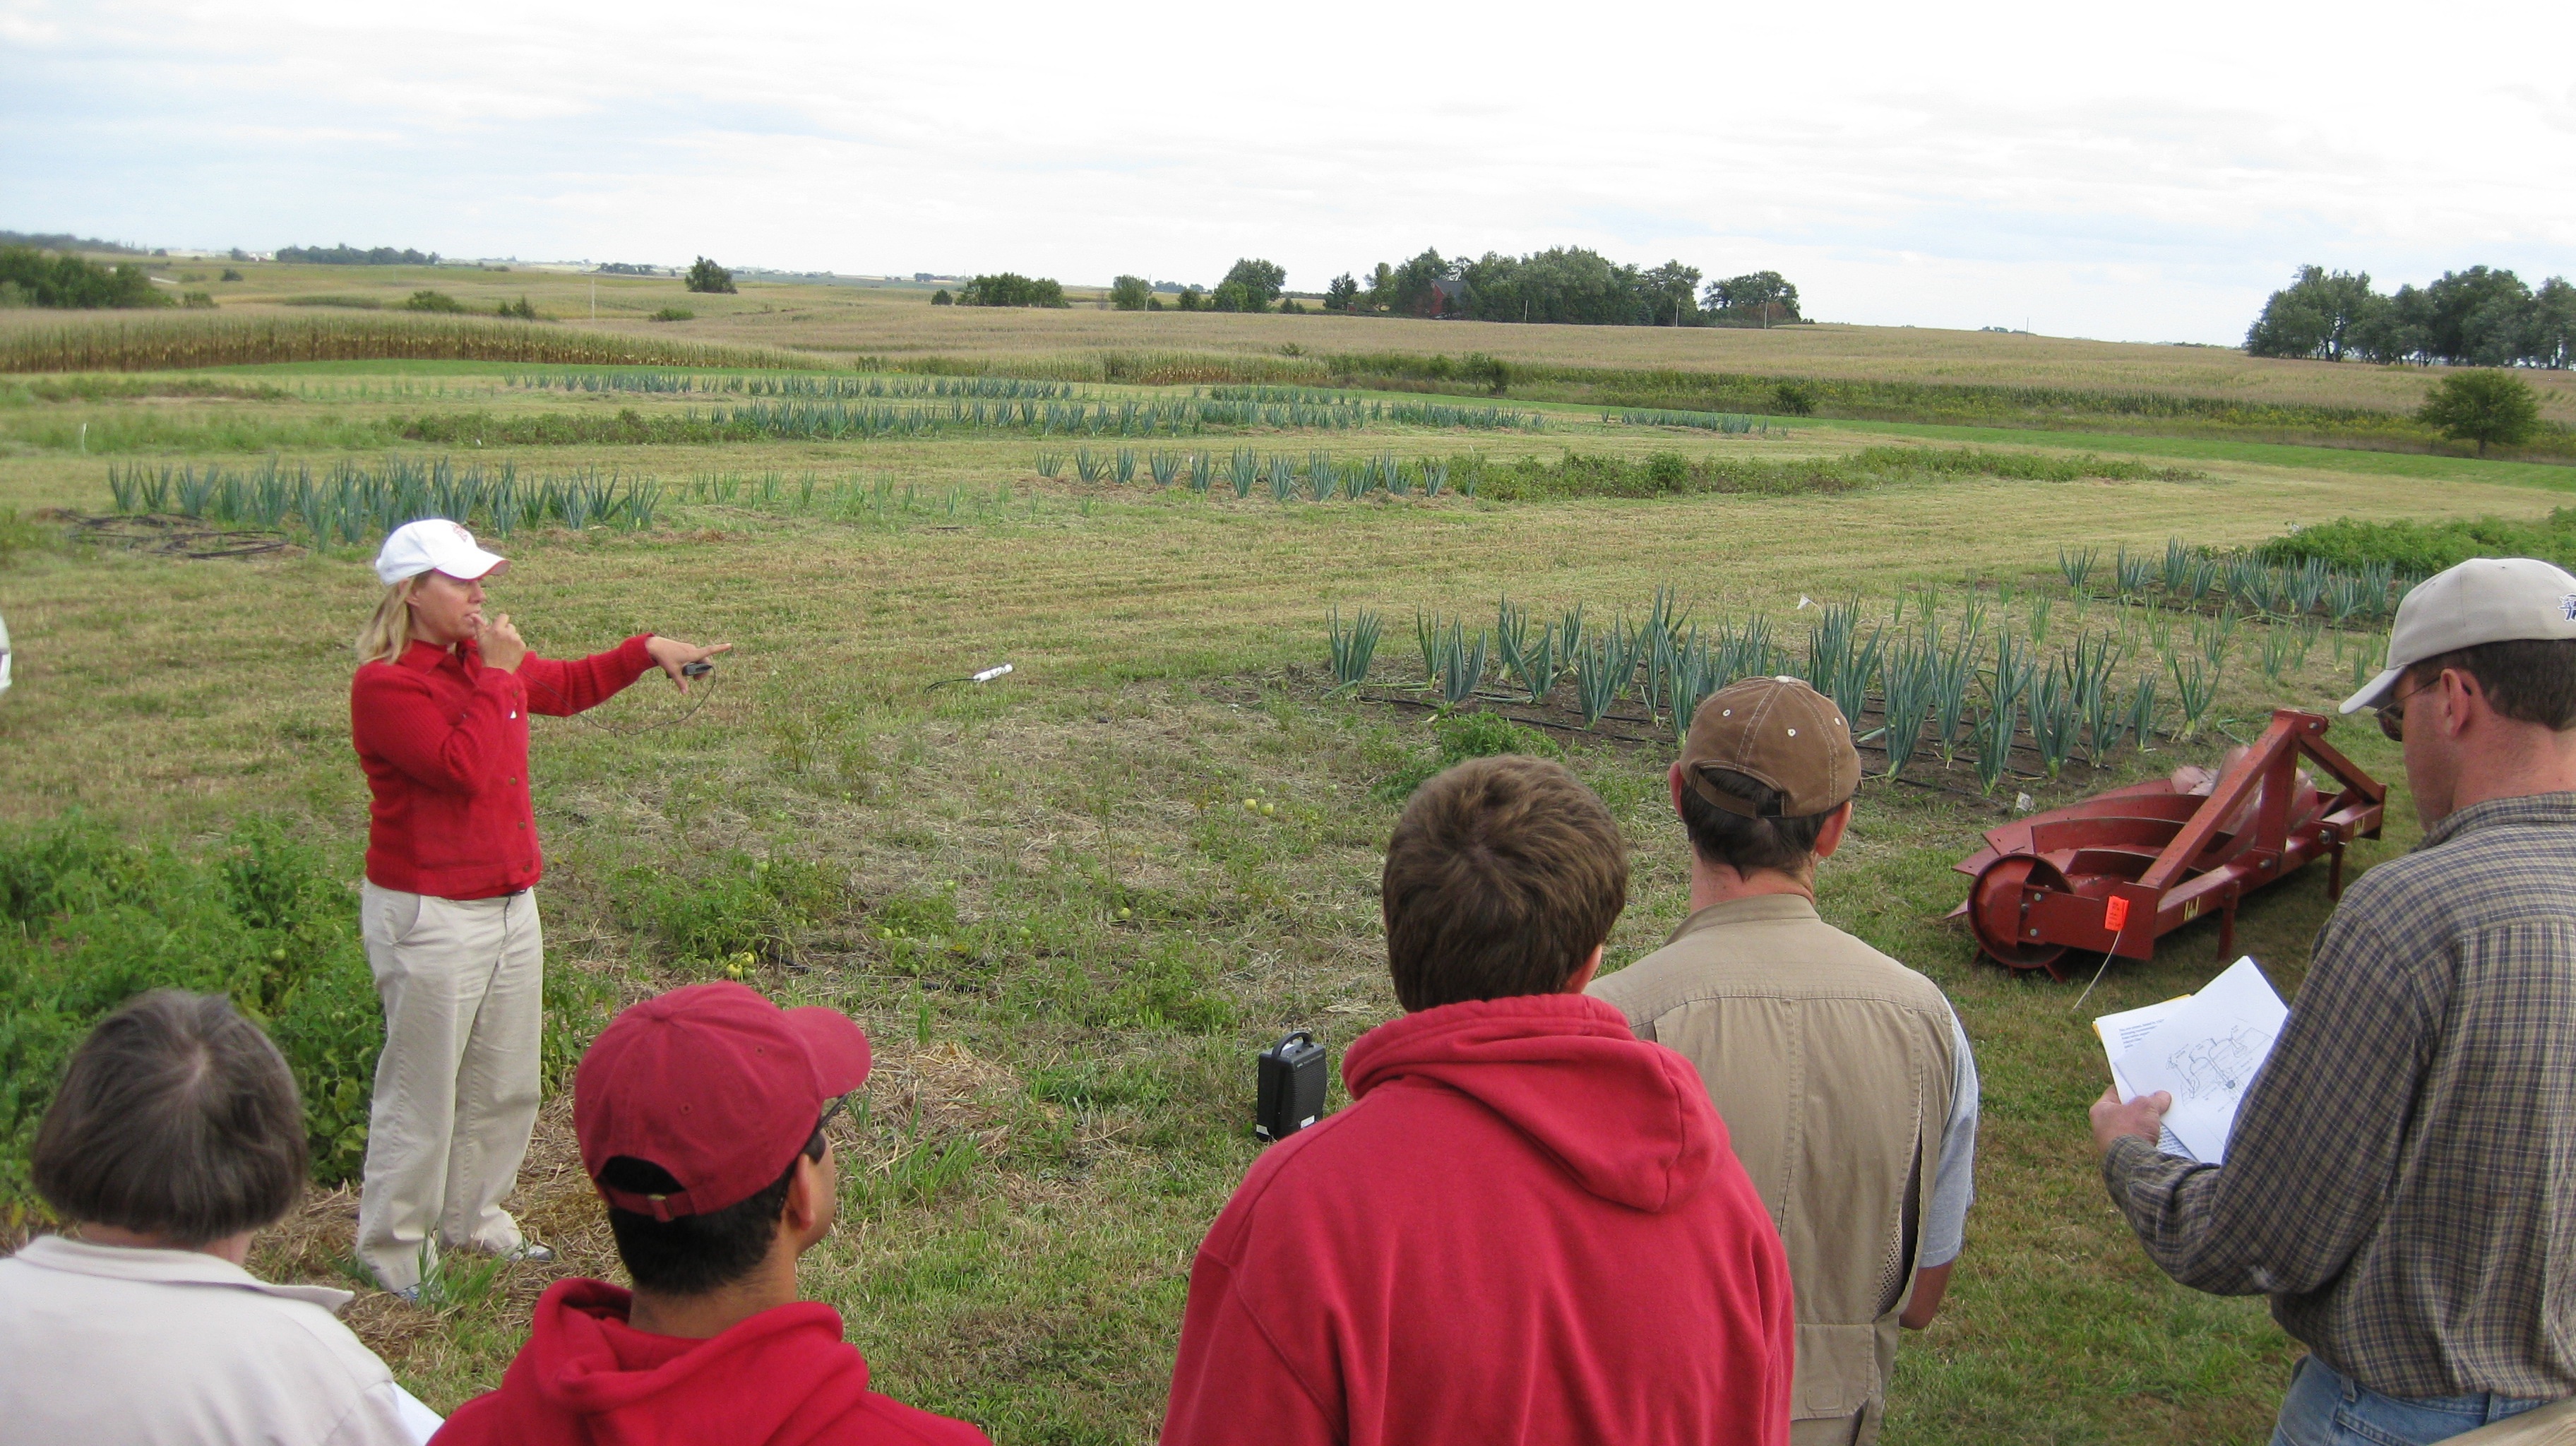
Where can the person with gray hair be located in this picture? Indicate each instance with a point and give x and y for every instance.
(176, 1136)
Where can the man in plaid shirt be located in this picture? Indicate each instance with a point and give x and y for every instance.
(2401, 1179)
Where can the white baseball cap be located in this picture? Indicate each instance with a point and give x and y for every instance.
(2483, 600)
(434, 544)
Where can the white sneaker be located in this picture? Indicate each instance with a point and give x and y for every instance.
(530, 1251)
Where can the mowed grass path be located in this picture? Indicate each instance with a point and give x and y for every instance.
(1065, 932)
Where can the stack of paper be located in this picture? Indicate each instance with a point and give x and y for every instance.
(2203, 1049)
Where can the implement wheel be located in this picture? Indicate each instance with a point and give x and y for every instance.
(1994, 911)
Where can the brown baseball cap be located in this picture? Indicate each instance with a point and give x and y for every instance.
(1778, 732)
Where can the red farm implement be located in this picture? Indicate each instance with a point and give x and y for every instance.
(2115, 872)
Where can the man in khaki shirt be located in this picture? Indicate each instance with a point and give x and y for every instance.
(1844, 1079)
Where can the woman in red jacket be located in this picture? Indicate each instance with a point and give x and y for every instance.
(439, 711)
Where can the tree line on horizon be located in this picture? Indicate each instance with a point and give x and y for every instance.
(1567, 285)
(2481, 317)
(345, 254)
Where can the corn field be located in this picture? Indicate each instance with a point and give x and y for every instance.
(830, 387)
(351, 502)
(173, 342)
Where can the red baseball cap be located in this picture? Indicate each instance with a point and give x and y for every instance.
(714, 1084)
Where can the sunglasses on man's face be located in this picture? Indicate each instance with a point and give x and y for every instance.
(2392, 716)
(820, 1141)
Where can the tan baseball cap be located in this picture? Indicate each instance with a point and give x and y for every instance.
(2483, 600)
(1778, 732)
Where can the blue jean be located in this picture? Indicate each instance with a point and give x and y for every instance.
(2328, 1408)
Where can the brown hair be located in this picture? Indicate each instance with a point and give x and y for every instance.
(1787, 845)
(1503, 875)
(177, 1118)
(2530, 680)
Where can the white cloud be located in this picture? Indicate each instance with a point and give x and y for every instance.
(2140, 173)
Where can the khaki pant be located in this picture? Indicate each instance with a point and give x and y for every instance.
(1859, 1429)
(462, 982)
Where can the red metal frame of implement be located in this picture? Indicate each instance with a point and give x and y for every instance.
(2115, 872)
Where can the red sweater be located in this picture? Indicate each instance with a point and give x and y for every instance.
(444, 741)
(1527, 1228)
(782, 1378)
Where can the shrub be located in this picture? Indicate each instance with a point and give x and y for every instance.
(230, 274)
(706, 276)
(1130, 293)
(87, 922)
(942, 298)
(675, 313)
(518, 310)
(2421, 549)
(198, 301)
(69, 281)
(438, 301)
(1794, 399)
(2482, 407)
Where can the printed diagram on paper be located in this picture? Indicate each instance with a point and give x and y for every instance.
(2212, 1067)
(2204, 1049)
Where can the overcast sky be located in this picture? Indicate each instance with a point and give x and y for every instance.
(2127, 172)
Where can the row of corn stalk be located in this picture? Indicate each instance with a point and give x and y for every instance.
(352, 501)
(1319, 477)
(792, 385)
(176, 342)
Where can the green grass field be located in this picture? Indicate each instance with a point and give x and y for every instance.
(1046, 897)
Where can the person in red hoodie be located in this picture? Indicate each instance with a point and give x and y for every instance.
(1528, 1226)
(439, 712)
(701, 1119)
